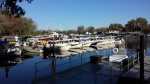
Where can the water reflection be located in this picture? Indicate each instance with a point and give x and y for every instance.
(62, 60)
(133, 43)
(56, 61)
(7, 63)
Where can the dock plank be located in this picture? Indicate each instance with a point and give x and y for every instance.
(134, 73)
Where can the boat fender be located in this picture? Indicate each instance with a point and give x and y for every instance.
(115, 50)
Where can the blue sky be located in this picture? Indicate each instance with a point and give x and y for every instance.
(73, 13)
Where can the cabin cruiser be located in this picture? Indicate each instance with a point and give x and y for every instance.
(10, 44)
(100, 42)
(31, 46)
(58, 45)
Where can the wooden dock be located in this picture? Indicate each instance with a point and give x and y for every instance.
(133, 75)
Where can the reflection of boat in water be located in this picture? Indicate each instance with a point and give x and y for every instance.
(9, 61)
(66, 52)
(60, 53)
(96, 48)
(77, 50)
(30, 54)
(89, 48)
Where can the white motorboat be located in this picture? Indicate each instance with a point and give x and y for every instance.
(14, 50)
(75, 43)
(99, 41)
(32, 49)
(86, 42)
(58, 45)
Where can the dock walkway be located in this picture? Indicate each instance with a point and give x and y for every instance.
(104, 72)
(87, 73)
(133, 75)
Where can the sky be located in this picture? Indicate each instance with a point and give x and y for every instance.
(69, 14)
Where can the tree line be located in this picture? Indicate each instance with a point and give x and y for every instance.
(16, 26)
(134, 25)
(12, 22)
(23, 26)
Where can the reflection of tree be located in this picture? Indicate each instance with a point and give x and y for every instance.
(131, 45)
(7, 64)
(7, 70)
(134, 43)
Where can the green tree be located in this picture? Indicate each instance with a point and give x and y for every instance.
(16, 26)
(80, 29)
(146, 29)
(136, 25)
(141, 23)
(25, 26)
(102, 29)
(115, 26)
(10, 7)
(131, 25)
(90, 29)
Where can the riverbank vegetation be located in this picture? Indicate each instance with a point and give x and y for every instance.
(23, 26)
(12, 22)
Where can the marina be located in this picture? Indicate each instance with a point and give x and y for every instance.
(74, 42)
(90, 64)
(24, 70)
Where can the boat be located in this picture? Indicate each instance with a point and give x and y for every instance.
(10, 49)
(14, 50)
(86, 42)
(76, 46)
(58, 45)
(75, 43)
(84, 39)
(31, 49)
(98, 41)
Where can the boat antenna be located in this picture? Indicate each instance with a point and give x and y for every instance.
(48, 28)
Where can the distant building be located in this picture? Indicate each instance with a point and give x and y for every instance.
(113, 32)
(54, 34)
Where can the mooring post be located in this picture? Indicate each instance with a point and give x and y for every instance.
(141, 59)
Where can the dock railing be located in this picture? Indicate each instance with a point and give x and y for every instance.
(130, 64)
(115, 71)
(69, 64)
(40, 70)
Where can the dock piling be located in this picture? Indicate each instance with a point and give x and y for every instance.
(141, 59)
